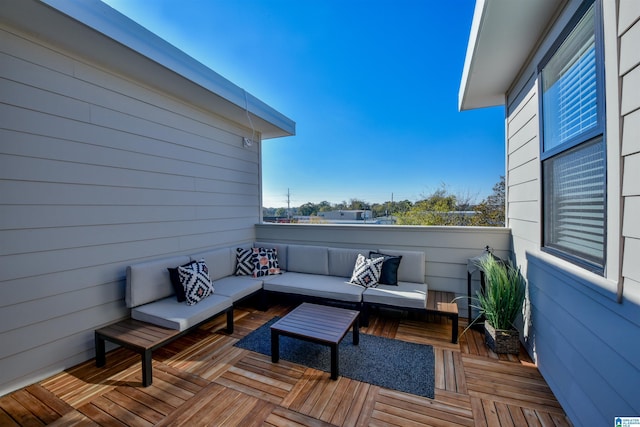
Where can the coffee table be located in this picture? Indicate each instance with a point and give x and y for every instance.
(319, 324)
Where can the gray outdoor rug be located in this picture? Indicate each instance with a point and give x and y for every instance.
(388, 363)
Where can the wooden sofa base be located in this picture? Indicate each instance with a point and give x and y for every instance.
(434, 306)
(144, 338)
(268, 299)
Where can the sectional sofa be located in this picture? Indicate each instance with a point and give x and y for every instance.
(316, 272)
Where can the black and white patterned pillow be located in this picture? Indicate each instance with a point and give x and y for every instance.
(367, 271)
(195, 279)
(244, 262)
(265, 262)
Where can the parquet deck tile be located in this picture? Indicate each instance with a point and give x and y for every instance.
(73, 419)
(202, 379)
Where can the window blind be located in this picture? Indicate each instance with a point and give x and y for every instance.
(570, 104)
(574, 192)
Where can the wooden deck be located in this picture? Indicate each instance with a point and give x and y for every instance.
(202, 379)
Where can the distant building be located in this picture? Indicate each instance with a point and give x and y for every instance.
(346, 215)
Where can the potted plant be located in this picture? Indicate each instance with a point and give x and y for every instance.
(499, 303)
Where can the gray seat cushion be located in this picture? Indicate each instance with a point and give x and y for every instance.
(308, 259)
(330, 287)
(172, 314)
(406, 294)
(221, 262)
(237, 287)
(149, 281)
(342, 260)
(412, 267)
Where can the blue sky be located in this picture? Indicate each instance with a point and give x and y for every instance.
(372, 86)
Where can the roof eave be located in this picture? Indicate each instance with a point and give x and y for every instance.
(94, 30)
(503, 34)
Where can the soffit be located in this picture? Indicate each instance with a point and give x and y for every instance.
(503, 34)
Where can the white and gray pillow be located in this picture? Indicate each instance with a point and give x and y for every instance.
(195, 279)
(367, 271)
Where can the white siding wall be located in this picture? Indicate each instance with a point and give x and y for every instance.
(446, 248)
(629, 39)
(523, 168)
(584, 341)
(97, 172)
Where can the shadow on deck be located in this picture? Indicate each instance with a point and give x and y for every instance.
(202, 379)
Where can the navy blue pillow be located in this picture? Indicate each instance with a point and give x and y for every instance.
(389, 275)
(175, 282)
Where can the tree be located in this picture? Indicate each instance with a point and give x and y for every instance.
(378, 209)
(268, 212)
(356, 204)
(400, 207)
(324, 206)
(308, 209)
(491, 211)
(340, 206)
(436, 209)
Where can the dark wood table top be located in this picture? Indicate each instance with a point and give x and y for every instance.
(322, 323)
(137, 334)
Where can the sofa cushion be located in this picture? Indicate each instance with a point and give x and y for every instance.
(314, 285)
(282, 252)
(221, 262)
(389, 273)
(308, 259)
(366, 272)
(412, 267)
(342, 260)
(169, 313)
(195, 279)
(237, 287)
(404, 294)
(149, 281)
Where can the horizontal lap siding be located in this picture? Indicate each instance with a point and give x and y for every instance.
(630, 73)
(584, 345)
(523, 171)
(583, 341)
(98, 172)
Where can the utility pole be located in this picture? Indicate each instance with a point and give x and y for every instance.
(288, 204)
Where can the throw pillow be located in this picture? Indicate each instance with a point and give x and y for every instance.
(265, 262)
(196, 282)
(175, 282)
(244, 262)
(389, 274)
(366, 272)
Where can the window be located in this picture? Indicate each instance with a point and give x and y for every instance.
(573, 143)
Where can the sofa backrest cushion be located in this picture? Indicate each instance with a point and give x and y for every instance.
(412, 266)
(342, 260)
(282, 252)
(220, 262)
(149, 281)
(308, 259)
